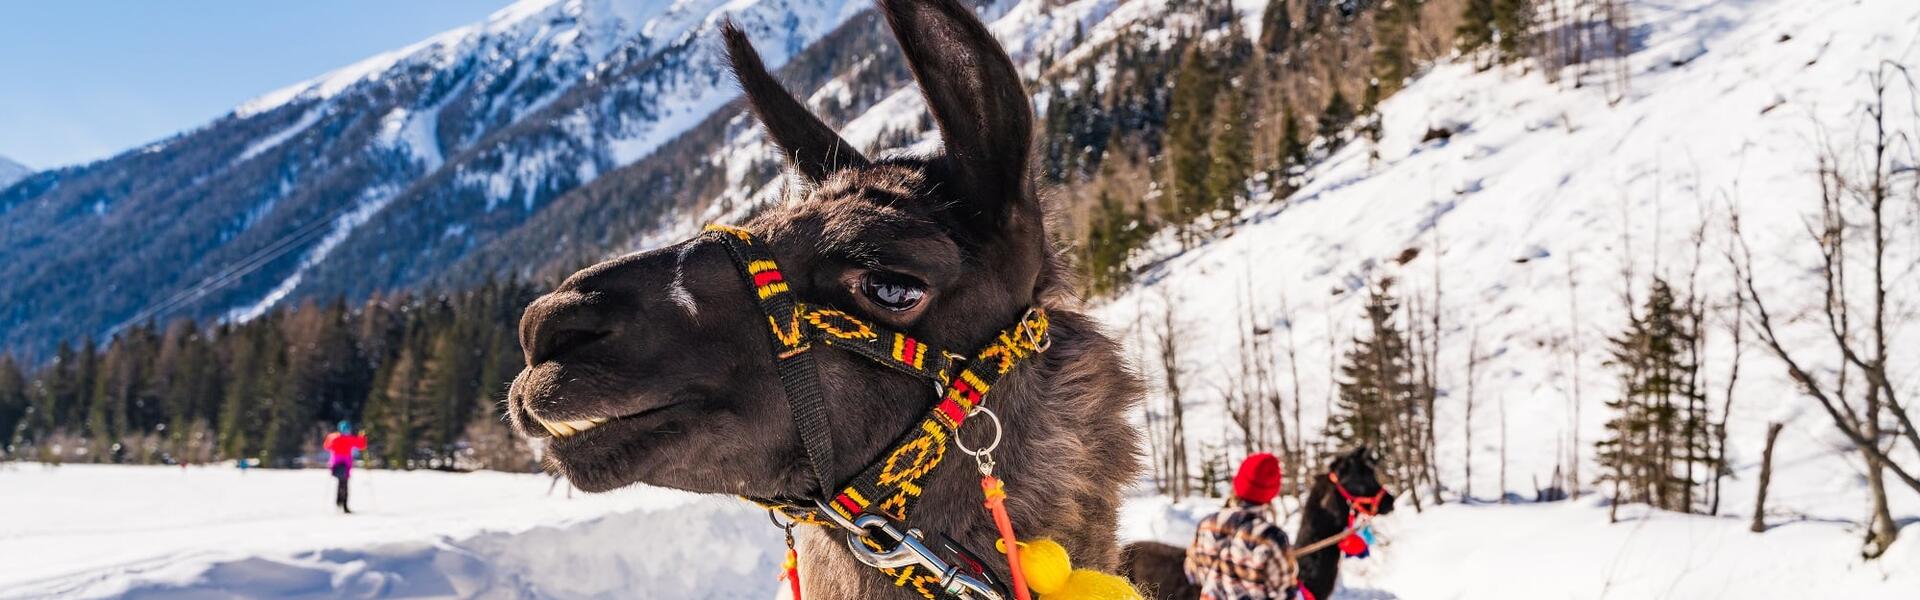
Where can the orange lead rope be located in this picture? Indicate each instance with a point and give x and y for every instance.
(792, 574)
(790, 571)
(997, 505)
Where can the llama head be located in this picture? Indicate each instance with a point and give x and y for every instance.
(1358, 473)
(654, 367)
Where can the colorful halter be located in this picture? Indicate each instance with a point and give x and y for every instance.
(892, 483)
(1360, 512)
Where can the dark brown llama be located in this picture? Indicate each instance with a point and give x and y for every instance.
(1159, 568)
(654, 367)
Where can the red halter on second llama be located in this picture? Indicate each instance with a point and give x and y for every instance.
(1356, 544)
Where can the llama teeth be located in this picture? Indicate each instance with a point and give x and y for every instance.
(562, 429)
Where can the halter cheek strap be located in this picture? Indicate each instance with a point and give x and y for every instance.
(1365, 505)
(891, 483)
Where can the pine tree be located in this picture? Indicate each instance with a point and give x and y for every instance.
(1392, 43)
(1293, 152)
(1476, 30)
(239, 413)
(1231, 150)
(1382, 396)
(1376, 377)
(290, 420)
(425, 370)
(1187, 128)
(1369, 122)
(1656, 436)
(398, 407)
(14, 405)
(1113, 235)
(1335, 119)
(1276, 28)
(1513, 22)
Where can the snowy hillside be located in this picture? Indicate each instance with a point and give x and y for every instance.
(1525, 219)
(12, 171)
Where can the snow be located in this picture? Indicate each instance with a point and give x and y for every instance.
(11, 171)
(1543, 180)
(1569, 550)
(106, 531)
(271, 141)
(779, 28)
(347, 219)
(120, 531)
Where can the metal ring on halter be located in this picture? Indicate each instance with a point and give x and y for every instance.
(1039, 344)
(957, 441)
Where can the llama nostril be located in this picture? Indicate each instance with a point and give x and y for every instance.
(558, 324)
(555, 342)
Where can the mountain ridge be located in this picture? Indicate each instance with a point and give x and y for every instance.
(12, 171)
(375, 176)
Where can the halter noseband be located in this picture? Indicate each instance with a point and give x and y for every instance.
(874, 504)
(1365, 505)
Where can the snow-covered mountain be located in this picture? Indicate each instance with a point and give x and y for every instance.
(11, 171)
(382, 174)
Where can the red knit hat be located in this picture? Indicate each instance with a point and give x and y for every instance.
(1258, 480)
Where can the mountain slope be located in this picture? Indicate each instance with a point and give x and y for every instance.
(376, 176)
(12, 171)
(1525, 218)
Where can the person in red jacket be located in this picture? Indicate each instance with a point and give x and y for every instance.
(342, 446)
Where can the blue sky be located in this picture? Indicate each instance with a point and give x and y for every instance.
(84, 79)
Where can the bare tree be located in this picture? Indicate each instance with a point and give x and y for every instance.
(1578, 353)
(1473, 379)
(1297, 454)
(1766, 479)
(1736, 329)
(1503, 448)
(1853, 232)
(1175, 437)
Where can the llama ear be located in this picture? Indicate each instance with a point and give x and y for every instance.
(974, 92)
(810, 145)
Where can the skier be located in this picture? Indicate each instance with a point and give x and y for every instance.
(343, 446)
(1240, 553)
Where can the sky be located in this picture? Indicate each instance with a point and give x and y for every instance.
(85, 79)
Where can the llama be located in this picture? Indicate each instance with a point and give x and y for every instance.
(1159, 568)
(654, 367)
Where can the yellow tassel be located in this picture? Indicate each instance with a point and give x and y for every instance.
(1050, 573)
(1046, 565)
(1088, 584)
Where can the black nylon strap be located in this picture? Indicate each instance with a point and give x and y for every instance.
(891, 483)
(799, 377)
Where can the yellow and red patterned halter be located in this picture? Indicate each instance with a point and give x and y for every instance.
(892, 482)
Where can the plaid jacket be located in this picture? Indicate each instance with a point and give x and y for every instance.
(1241, 554)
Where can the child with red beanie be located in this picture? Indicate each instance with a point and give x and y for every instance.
(1240, 553)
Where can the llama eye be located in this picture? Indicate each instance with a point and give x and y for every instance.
(898, 293)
